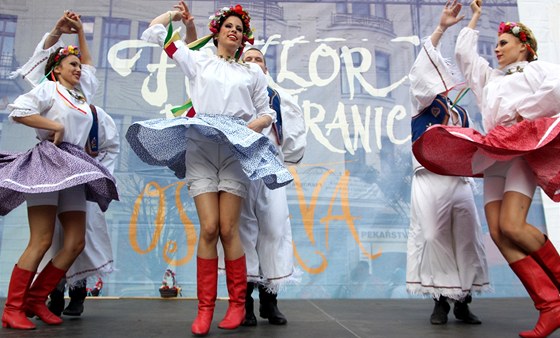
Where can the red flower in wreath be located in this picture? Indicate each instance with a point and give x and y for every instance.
(238, 9)
(225, 12)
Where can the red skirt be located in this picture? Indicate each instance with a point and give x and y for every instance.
(456, 151)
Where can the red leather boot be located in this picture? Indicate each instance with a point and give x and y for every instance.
(39, 291)
(543, 293)
(236, 278)
(206, 290)
(549, 260)
(14, 309)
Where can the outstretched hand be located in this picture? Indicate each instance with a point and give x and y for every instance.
(186, 17)
(450, 14)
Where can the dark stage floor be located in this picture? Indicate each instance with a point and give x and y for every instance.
(139, 317)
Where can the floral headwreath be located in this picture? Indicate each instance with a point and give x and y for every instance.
(60, 55)
(64, 52)
(523, 34)
(224, 13)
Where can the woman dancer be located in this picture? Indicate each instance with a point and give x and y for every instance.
(519, 151)
(97, 257)
(55, 178)
(226, 95)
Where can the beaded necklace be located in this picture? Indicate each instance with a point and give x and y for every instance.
(77, 95)
(231, 59)
(227, 58)
(82, 100)
(517, 69)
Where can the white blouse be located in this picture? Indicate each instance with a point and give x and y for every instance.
(34, 69)
(219, 86)
(430, 75)
(530, 89)
(54, 102)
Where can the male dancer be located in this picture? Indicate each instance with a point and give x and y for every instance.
(264, 225)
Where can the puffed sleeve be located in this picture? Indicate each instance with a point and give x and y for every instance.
(179, 52)
(260, 93)
(34, 69)
(89, 82)
(37, 101)
(544, 79)
(109, 143)
(429, 76)
(293, 128)
(475, 68)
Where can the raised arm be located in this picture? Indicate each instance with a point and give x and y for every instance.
(62, 26)
(188, 20)
(76, 23)
(70, 23)
(163, 19)
(449, 17)
(476, 7)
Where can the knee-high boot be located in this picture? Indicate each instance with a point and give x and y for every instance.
(14, 309)
(543, 293)
(549, 260)
(206, 290)
(39, 291)
(236, 278)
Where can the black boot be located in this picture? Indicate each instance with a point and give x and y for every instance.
(77, 296)
(268, 307)
(56, 302)
(462, 312)
(250, 319)
(441, 309)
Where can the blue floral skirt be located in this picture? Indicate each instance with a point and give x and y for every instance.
(163, 142)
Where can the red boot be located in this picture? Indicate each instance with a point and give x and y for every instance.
(206, 290)
(543, 293)
(14, 309)
(549, 260)
(39, 291)
(236, 278)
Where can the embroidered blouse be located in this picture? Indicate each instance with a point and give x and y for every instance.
(528, 89)
(218, 86)
(51, 100)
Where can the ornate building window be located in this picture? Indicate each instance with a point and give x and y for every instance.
(114, 30)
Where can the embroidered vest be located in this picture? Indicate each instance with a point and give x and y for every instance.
(436, 113)
(274, 102)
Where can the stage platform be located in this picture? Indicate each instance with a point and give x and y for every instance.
(170, 318)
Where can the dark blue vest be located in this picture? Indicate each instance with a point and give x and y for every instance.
(436, 113)
(274, 102)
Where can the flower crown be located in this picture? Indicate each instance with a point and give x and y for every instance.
(519, 32)
(64, 52)
(224, 13)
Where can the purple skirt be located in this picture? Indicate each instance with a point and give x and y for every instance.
(47, 168)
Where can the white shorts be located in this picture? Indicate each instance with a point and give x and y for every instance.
(212, 167)
(71, 199)
(514, 175)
